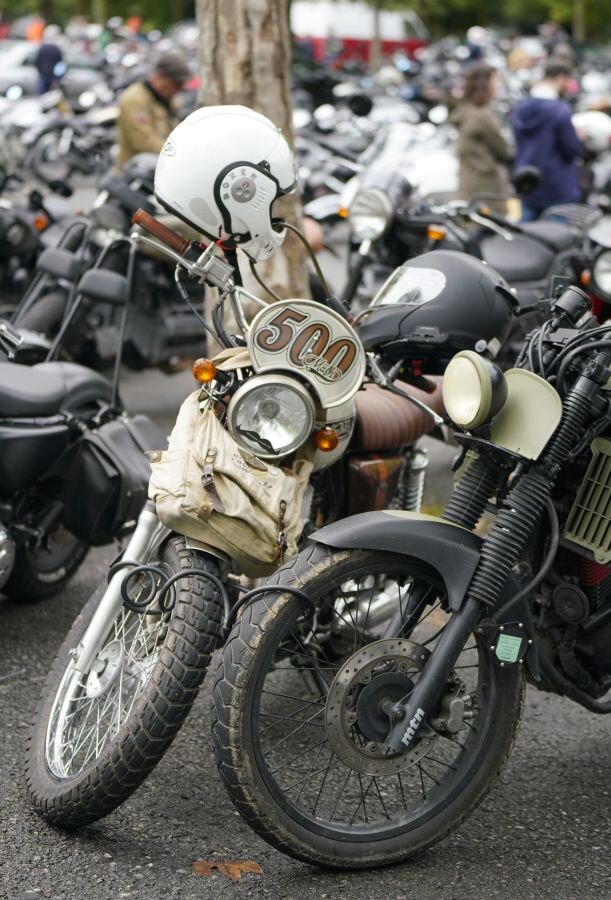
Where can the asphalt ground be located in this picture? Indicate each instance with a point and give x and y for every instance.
(543, 832)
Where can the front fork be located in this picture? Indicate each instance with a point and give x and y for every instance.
(407, 717)
(147, 537)
(513, 527)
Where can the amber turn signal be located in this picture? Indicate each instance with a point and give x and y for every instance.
(40, 222)
(436, 233)
(586, 277)
(343, 212)
(326, 439)
(204, 370)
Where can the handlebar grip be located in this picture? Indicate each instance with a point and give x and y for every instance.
(172, 239)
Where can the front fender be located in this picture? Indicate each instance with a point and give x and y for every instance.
(449, 549)
(452, 551)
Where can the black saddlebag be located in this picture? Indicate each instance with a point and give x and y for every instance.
(108, 479)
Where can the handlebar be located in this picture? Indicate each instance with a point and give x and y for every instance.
(166, 235)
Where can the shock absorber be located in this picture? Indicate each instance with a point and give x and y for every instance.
(411, 485)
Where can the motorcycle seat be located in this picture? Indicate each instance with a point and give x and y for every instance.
(49, 387)
(556, 235)
(385, 421)
(521, 259)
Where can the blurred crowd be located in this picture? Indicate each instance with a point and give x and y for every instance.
(510, 97)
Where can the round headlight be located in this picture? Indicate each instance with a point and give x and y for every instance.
(271, 416)
(601, 274)
(474, 390)
(370, 214)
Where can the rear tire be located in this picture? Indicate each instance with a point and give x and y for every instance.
(36, 577)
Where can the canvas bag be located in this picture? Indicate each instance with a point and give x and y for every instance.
(206, 487)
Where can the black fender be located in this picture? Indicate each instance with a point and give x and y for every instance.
(452, 551)
(449, 549)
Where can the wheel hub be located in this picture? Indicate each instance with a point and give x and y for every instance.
(373, 678)
(105, 669)
(371, 717)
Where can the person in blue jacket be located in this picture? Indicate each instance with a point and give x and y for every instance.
(546, 138)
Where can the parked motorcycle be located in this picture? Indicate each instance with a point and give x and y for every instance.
(366, 703)
(72, 469)
(22, 230)
(390, 222)
(160, 330)
(286, 406)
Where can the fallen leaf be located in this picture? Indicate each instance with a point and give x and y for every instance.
(232, 868)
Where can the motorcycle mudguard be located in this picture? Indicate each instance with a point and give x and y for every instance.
(449, 549)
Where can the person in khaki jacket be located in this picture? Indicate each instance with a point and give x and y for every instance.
(146, 113)
(483, 153)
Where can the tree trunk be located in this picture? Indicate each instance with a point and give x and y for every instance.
(244, 56)
(579, 21)
(375, 53)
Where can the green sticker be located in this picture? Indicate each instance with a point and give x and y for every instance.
(508, 648)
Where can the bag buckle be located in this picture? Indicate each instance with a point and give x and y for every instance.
(282, 543)
(208, 481)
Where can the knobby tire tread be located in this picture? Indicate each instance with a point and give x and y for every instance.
(159, 712)
(228, 714)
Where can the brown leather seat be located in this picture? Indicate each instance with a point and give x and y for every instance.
(385, 421)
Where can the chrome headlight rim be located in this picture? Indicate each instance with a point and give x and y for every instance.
(370, 214)
(602, 257)
(258, 381)
(488, 382)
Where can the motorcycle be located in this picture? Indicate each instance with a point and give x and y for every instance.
(366, 702)
(390, 222)
(22, 233)
(285, 408)
(73, 471)
(160, 332)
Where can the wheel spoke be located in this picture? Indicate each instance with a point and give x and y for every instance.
(308, 685)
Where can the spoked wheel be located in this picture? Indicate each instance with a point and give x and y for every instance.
(50, 156)
(98, 734)
(299, 719)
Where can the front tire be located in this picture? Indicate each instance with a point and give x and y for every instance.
(88, 753)
(277, 717)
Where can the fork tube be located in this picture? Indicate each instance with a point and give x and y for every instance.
(147, 536)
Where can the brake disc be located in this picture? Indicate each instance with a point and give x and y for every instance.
(355, 720)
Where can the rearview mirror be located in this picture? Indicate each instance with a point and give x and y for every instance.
(526, 179)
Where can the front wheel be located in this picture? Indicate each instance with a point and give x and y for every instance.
(97, 736)
(299, 719)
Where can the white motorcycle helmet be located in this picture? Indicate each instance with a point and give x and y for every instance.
(220, 171)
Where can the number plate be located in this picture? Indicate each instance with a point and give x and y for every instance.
(310, 340)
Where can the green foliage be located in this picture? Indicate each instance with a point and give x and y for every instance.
(441, 16)
(455, 16)
(156, 13)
